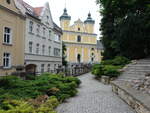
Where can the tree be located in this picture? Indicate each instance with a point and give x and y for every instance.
(64, 62)
(125, 28)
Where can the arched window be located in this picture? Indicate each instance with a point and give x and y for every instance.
(78, 38)
(79, 58)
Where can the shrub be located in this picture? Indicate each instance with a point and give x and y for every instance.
(111, 71)
(110, 67)
(54, 85)
(21, 106)
(98, 70)
(118, 61)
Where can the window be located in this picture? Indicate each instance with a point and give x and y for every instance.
(50, 34)
(44, 32)
(30, 47)
(37, 48)
(56, 37)
(78, 29)
(31, 27)
(92, 49)
(6, 60)
(49, 50)
(59, 38)
(56, 52)
(43, 49)
(78, 38)
(55, 67)
(38, 29)
(8, 1)
(7, 35)
(47, 18)
(48, 68)
(42, 68)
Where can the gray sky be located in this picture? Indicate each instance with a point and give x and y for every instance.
(76, 9)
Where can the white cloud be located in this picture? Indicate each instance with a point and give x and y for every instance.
(76, 9)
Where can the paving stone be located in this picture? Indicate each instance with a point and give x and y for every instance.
(94, 97)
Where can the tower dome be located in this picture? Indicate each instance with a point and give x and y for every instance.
(65, 15)
(89, 19)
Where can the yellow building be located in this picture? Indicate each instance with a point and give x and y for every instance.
(80, 40)
(12, 28)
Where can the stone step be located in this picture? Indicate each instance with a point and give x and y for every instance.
(140, 65)
(146, 71)
(124, 75)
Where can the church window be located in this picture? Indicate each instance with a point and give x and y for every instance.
(79, 38)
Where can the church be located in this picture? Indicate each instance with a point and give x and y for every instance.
(80, 40)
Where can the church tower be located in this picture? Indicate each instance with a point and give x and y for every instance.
(89, 24)
(65, 20)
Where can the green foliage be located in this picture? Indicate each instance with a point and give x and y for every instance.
(64, 62)
(117, 61)
(111, 71)
(53, 85)
(110, 67)
(97, 70)
(125, 28)
(21, 106)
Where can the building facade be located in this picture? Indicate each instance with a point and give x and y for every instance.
(80, 40)
(12, 33)
(43, 45)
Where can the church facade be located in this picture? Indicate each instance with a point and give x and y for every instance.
(80, 40)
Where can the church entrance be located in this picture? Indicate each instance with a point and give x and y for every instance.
(79, 58)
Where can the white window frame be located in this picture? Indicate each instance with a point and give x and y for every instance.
(30, 47)
(38, 29)
(10, 36)
(49, 50)
(31, 26)
(42, 68)
(48, 67)
(43, 49)
(38, 49)
(9, 59)
(44, 31)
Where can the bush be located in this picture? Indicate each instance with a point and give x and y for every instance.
(110, 67)
(53, 85)
(97, 70)
(111, 71)
(21, 106)
(117, 61)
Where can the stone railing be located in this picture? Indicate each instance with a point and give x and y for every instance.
(139, 101)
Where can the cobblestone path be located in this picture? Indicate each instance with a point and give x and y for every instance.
(94, 97)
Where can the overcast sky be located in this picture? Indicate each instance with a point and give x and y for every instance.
(76, 9)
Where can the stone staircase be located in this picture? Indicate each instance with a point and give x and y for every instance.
(136, 70)
(131, 85)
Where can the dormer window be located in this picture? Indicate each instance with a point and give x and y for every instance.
(8, 1)
(47, 18)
